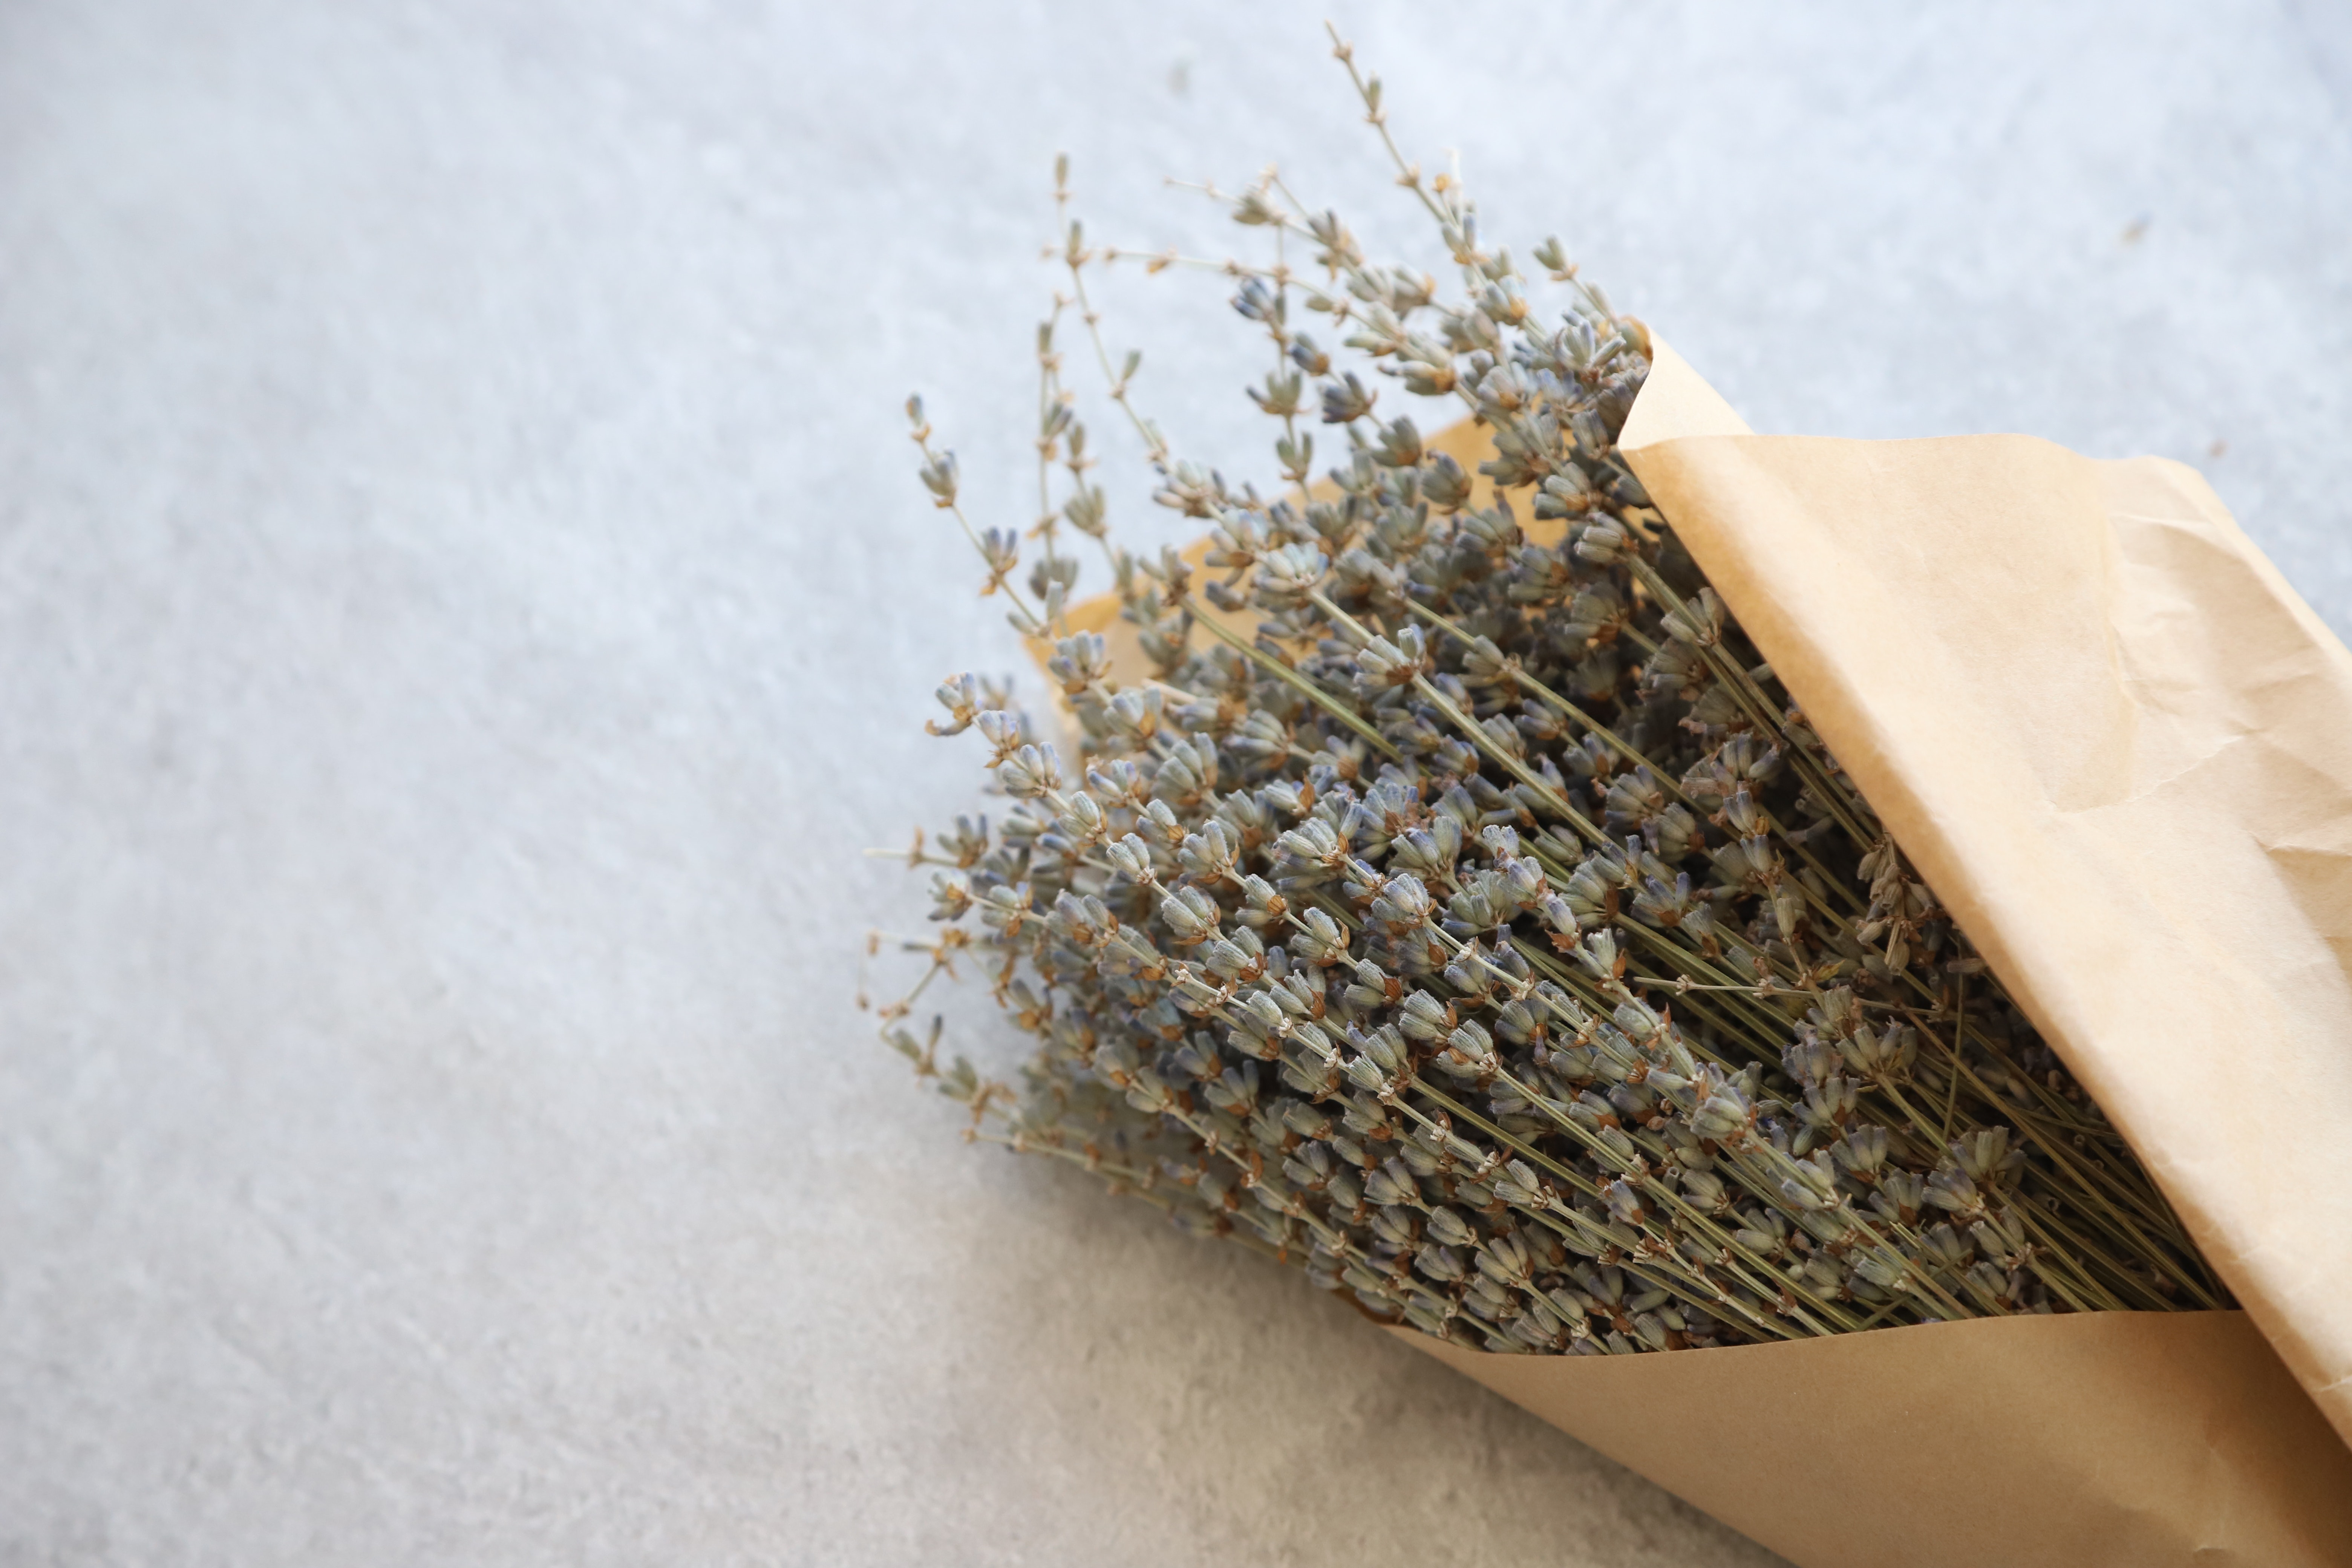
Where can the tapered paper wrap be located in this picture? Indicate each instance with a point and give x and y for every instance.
(2119, 748)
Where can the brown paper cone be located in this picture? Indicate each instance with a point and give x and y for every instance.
(2119, 747)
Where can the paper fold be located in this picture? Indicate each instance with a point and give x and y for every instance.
(2119, 748)
(2092, 1440)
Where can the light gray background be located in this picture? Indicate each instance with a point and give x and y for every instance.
(464, 605)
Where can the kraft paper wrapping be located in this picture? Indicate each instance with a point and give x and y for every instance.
(2119, 748)
(2093, 1440)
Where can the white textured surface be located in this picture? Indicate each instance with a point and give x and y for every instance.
(465, 606)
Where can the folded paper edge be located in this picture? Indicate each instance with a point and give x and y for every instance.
(2139, 1438)
(1688, 413)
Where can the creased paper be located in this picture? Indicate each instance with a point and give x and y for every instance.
(2091, 1440)
(2119, 748)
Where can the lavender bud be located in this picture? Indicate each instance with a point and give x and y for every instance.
(1521, 1187)
(950, 895)
(1384, 1045)
(1190, 915)
(1209, 854)
(1950, 1188)
(1081, 819)
(1263, 906)
(1505, 1259)
(938, 475)
(1286, 577)
(1901, 1197)
(1383, 666)
(1306, 1120)
(1031, 772)
(1425, 1017)
(1986, 1155)
(1130, 857)
(1811, 1184)
(1403, 905)
(1322, 943)
(1135, 713)
(1706, 1190)
(1391, 1185)
(1863, 1151)
(1469, 1048)
(1443, 1264)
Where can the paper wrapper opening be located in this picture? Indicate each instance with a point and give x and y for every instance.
(2119, 748)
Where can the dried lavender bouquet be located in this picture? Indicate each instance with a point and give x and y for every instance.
(1482, 930)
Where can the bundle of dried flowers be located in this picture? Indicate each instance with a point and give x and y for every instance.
(1482, 930)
